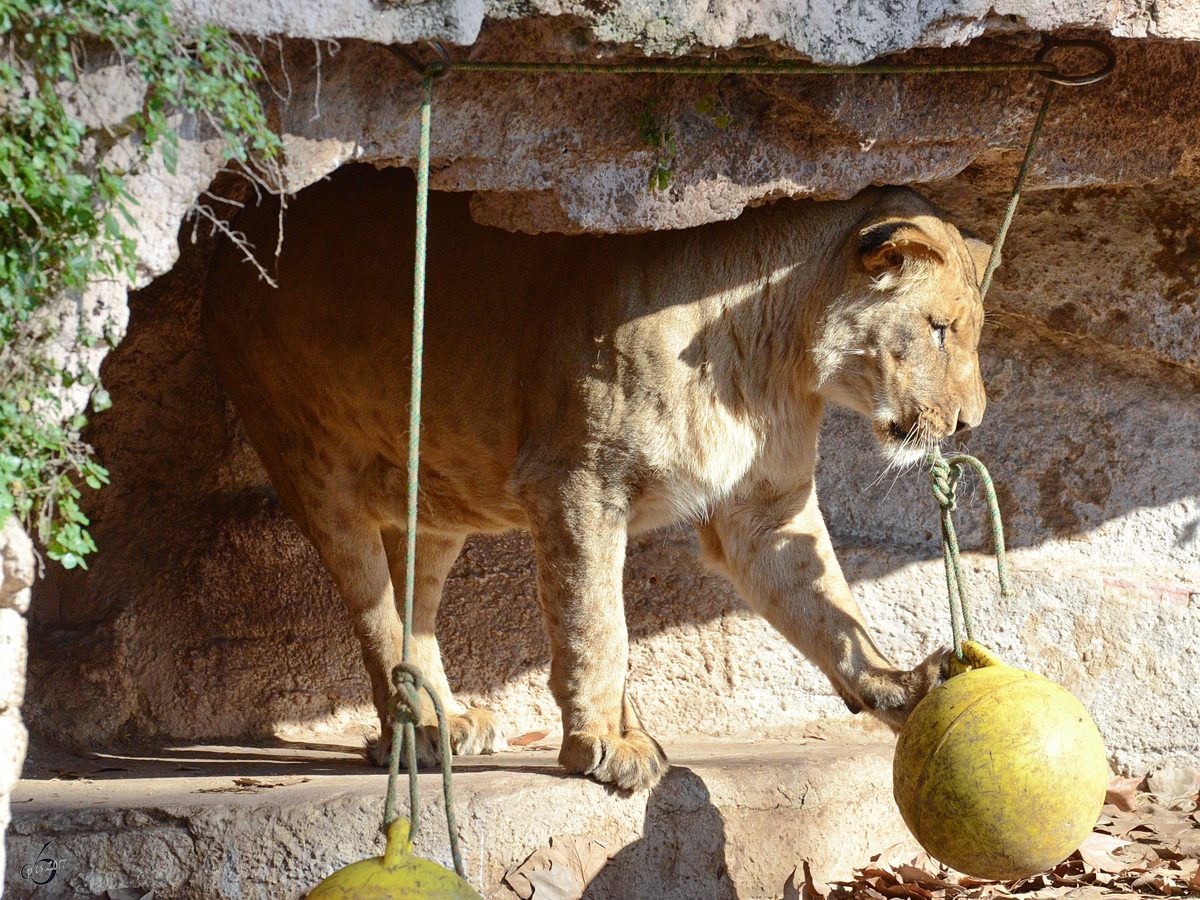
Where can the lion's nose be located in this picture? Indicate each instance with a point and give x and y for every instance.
(962, 426)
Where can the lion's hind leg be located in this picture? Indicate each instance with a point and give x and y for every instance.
(472, 731)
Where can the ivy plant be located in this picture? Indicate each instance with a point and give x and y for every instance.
(63, 205)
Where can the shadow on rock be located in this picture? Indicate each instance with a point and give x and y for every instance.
(681, 854)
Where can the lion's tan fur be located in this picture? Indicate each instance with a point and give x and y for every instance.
(585, 388)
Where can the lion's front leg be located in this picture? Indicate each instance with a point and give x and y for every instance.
(773, 545)
(580, 543)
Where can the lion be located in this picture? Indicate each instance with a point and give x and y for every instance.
(587, 388)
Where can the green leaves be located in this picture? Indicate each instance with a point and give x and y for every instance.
(653, 135)
(61, 215)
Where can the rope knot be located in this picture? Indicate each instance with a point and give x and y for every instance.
(945, 477)
(406, 702)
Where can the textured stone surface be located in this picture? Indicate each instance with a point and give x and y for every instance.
(392, 22)
(729, 820)
(207, 616)
(563, 153)
(828, 33)
(17, 566)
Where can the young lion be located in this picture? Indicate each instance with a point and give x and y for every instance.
(586, 388)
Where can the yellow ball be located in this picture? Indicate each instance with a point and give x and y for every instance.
(397, 875)
(999, 773)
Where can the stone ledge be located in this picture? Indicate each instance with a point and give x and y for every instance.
(729, 820)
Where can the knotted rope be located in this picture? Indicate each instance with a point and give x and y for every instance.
(944, 473)
(406, 711)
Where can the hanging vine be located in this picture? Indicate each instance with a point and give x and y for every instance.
(65, 217)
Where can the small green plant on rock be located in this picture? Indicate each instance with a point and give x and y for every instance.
(62, 202)
(661, 139)
(654, 135)
(709, 105)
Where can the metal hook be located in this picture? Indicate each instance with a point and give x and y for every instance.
(434, 69)
(1050, 43)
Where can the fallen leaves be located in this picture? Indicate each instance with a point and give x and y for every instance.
(1146, 843)
(561, 871)
(1096, 851)
(1175, 788)
(537, 740)
(254, 785)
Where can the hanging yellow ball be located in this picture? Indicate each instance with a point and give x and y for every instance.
(999, 773)
(397, 875)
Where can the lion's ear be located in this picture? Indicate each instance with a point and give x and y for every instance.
(981, 254)
(885, 246)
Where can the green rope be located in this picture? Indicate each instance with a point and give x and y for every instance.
(418, 353)
(406, 677)
(994, 259)
(945, 473)
(773, 68)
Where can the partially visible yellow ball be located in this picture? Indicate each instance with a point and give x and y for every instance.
(397, 875)
(999, 773)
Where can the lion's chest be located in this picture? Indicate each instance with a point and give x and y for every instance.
(691, 453)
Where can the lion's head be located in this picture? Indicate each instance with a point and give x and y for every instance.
(900, 343)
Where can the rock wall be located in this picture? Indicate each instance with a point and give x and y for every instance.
(16, 576)
(572, 155)
(845, 34)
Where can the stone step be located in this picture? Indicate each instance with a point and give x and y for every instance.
(730, 819)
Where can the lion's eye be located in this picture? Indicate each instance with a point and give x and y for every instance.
(940, 332)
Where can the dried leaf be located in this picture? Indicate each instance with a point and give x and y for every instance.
(1125, 823)
(790, 891)
(915, 875)
(556, 883)
(1122, 793)
(1175, 785)
(812, 889)
(585, 855)
(530, 737)
(1149, 879)
(1188, 843)
(909, 852)
(904, 890)
(1096, 851)
(879, 874)
(548, 871)
(520, 885)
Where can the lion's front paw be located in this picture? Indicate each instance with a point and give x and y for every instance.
(891, 695)
(927, 675)
(632, 762)
(475, 732)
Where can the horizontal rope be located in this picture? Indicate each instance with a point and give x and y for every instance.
(1038, 64)
(774, 68)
